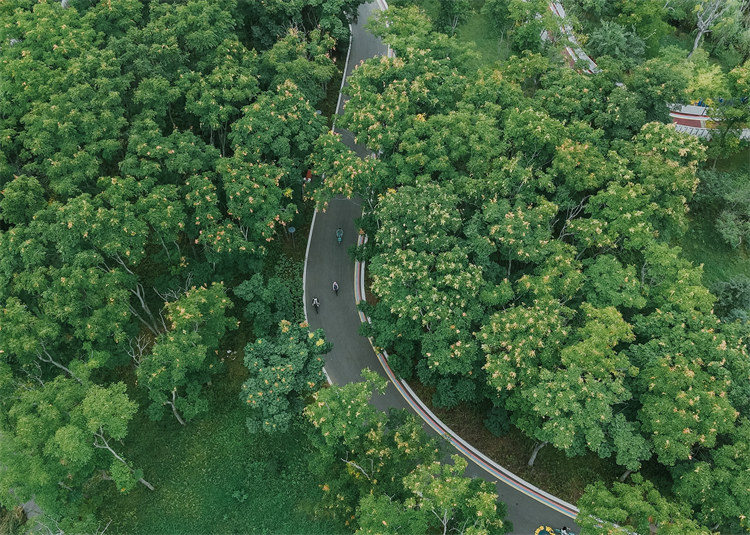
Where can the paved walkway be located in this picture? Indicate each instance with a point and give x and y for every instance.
(326, 261)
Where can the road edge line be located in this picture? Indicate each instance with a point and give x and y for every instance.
(343, 78)
(304, 282)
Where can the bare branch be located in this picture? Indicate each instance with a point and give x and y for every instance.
(173, 294)
(355, 465)
(52, 361)
(138, 347)
(99, 436)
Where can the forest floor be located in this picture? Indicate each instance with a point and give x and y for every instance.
(478, 30)
(702, 244)
(213, 476)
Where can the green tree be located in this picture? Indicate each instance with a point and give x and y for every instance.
(271, 19)
(732, 113)
(256, 201)
(452, 13)
(711, 13)
(360, 450)
(303, 59)
(283, 373)
(656, 83)
(498, 13)
(442, 500)
(426, 281)
(225, 81)
(611, 39)
(725, 197)
(268, 301)
(732, 298)
(76, 134)
(621, 117)
(280, 126)
(381, 515)
(343, 172)
(527, 26)
(458, 503)
(534, 135)
(183, 358)
(57, 437)
(681, 391)
(647, 18)
(573, 406)
(715, 487)
(636, 508)
(21, 199)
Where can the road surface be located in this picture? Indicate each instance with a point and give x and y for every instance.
(327, 261)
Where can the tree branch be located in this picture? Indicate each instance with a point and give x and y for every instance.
(52, 361)
(100, 436)
(355, 465)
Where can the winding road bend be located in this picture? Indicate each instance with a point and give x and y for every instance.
(327, 261)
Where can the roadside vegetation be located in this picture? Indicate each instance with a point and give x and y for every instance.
(536, 236)
(154, 359)
(544, 290)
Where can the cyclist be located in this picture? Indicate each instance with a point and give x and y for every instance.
(316, 304)
(335, 287)
(339, 235)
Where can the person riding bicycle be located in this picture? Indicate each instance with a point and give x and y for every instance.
(339, 234)
(335, 287)
(316, 304)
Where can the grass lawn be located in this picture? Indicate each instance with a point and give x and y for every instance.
(212, 476)
(477, 29)
(702, 244)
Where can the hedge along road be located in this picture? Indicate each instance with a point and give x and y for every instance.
(326, 261)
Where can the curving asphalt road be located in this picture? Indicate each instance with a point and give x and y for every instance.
(326, 261)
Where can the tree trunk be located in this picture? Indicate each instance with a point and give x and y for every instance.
(710, 13)
(100, 435)
(174, 409)
(52, 361)
(534, 453)
(696, 42)
(454, 24)
(146, 484)
(150, 327)
(624, 476)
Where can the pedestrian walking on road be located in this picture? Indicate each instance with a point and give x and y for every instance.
(316, 304)
(335, 287)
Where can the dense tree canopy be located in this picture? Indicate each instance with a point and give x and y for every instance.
(526, 262)
(151, 151)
